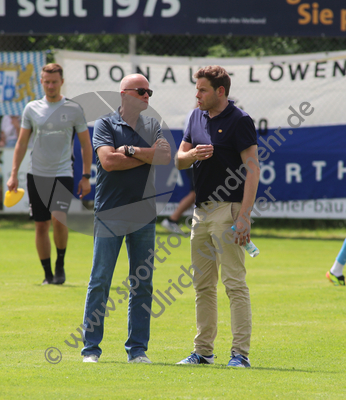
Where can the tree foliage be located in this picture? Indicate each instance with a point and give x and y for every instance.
(175, 45)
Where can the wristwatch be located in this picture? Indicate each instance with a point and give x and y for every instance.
(87, 176)
(131, 150)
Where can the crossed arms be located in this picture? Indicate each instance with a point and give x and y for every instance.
(115, 159)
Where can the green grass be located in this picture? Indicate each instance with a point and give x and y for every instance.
(298, 341)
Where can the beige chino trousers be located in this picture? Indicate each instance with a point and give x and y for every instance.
(211, 247)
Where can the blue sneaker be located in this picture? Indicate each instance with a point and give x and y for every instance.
(237, 360)
(198, 359)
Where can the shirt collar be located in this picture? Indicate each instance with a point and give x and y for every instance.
(230, 107)
(117, 119)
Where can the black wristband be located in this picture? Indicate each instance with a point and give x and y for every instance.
(126, 150)
(87, 176)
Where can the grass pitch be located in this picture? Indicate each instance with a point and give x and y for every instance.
(298, 340)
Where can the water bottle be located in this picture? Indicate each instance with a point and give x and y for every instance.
(249, 247)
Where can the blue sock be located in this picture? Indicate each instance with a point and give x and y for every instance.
(341, 258)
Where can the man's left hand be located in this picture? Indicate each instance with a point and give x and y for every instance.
(84, 187)
(243, 232)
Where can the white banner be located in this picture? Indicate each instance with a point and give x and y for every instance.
(264, 87)
(299, 91)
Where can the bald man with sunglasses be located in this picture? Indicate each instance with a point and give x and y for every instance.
(127, 146)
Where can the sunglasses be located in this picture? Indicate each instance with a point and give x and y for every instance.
(142, 91)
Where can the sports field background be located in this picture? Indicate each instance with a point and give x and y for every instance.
(298, 341)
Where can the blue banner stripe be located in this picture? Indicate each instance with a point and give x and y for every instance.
(310, 164)
(13, 64)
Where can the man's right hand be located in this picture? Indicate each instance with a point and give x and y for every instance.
(12, 183)
(18, 156)
(203, 151)
(187, 154)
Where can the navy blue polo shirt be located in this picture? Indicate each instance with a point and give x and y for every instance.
(230, 132)
(116, 189)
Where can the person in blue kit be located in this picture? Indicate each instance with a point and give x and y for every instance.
(221, 143)
(127, 146)
(335, 275)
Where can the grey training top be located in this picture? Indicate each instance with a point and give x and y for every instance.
(53, 127)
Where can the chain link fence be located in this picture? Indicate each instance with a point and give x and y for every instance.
(177, 45)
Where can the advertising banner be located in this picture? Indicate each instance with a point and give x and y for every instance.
(272, 17)
(297, 104)
(19, 80)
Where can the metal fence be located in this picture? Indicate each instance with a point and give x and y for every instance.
(177, 45)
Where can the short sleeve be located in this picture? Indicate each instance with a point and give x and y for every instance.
(80, 121)
(246, 134)
(187, 133)
(187, 120)
(26, 120)
(102, 135)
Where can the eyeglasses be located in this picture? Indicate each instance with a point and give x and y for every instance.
(142, 91)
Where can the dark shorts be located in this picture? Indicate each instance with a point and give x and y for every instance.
(49, 194)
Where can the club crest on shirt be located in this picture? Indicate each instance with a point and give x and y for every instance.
(63, 118)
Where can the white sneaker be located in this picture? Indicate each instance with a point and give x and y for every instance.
(91, 358)
(171, 226)
(195, 358)
(141, 359)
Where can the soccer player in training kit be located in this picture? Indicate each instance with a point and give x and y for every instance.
(53, 122)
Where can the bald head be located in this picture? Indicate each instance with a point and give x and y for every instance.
(134, 81)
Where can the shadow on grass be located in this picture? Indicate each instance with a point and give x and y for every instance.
(224, 367)
(70, 285)
(278, 236)
(64, 285)
(306, 229)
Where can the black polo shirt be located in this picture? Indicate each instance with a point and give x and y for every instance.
(230, 132)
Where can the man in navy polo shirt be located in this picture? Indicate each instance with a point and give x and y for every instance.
(221, 143)
(127, 146)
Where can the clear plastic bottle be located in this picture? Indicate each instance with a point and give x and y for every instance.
(249, 247)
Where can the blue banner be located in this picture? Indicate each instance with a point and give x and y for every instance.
(309, 164)
(272, 17)
(20, 74)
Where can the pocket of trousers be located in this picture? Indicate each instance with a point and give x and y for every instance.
(234, 209)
